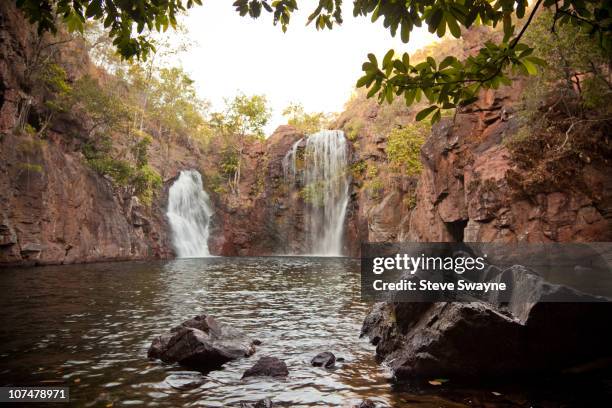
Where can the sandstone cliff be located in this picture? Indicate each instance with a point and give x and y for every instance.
(53, 207)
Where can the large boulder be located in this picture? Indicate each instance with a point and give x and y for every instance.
(528, 335)
(201, 343)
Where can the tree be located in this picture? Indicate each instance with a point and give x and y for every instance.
(244, 117)
(307, 123)
(445, 84)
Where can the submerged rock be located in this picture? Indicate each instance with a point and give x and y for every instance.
(267, 367)
(185, 380)
(325, 359)
(478, 339)
(366, 404)
(201, 343)
(264, 403)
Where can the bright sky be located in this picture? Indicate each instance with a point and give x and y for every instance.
(316, 68)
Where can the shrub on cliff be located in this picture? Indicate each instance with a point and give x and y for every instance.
(307, 123)
(566, 119)
(404, 148)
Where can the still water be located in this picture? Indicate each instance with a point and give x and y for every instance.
(89, 327)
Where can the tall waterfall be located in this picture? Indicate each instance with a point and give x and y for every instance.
(189, 212)
(325, 187)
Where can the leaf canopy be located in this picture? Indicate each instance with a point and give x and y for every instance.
(448, 84)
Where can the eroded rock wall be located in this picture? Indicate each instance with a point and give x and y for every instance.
(53, 207)
(464, 192)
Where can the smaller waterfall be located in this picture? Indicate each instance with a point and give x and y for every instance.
(189, 212)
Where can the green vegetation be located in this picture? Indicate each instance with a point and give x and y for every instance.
(125, 20)
(404, 148)
(375, 188)
(138, 179)
(358, 169)
(307, 123)
(445, 84)
(567, 117)
(410, 200)
(313, 193)
(242, 122)
(353, 128)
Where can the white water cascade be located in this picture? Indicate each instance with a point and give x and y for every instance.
(325, 187)
(189, 212)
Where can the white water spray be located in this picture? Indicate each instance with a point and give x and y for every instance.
(325, 188)
(189, 212)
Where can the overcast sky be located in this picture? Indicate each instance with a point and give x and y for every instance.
(315, 68)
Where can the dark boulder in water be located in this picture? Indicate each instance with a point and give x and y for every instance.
(201, 343)
(267, 367)
(528, 335)
(366, 404)
(325, 359)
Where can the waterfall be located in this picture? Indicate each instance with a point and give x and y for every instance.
(324, 182)
(189, 212)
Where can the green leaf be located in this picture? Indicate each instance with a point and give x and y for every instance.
(387, 58)
(94, 9)
(398, 65)
(406, 60)
(425, 112)
(537, 61)
(436, 117)
(372, 59)
(441, 27)
(363, 81)
(435, 19)
(74, 22)
(446, 62)
(405, 32)
(389, 94)
(530, 67)
(431, 62)
(375, 88)
(453, 26)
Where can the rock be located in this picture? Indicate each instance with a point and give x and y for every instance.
(264, 403)
(529, 335)
(269, 367)
(201, 343)
(325, 359)
(7, 234)
(366, 404)
(31, 247)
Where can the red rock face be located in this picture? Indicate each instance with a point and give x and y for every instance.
(463, 192)
(64, 213)
(53, 207)
(263, 219)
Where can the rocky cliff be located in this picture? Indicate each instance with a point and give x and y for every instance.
(53, 207)
(475, 187)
